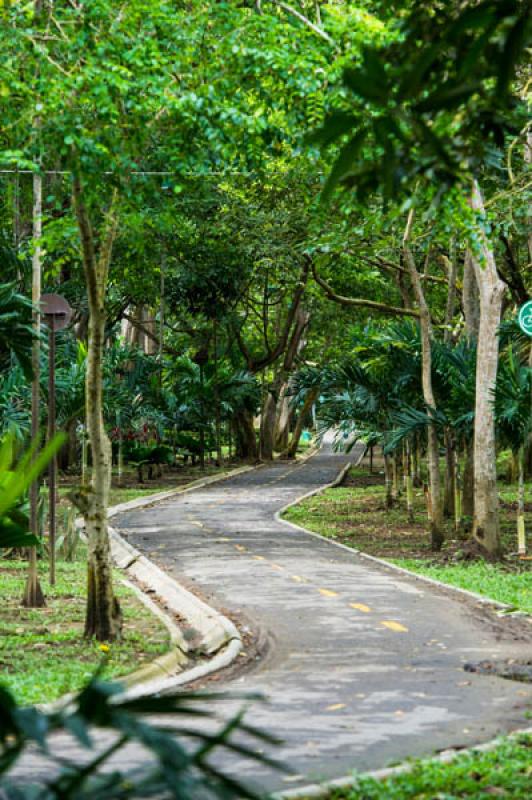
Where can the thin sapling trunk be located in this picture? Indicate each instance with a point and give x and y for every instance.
(521, 534)
(103, 618)
(433, 448)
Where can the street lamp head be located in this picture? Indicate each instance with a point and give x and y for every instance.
(56, 311)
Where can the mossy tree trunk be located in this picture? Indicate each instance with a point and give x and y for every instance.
(103, 618)
(245, 439)
(310, 399)
(486, 516)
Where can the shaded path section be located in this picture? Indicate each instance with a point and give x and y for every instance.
(364, 665)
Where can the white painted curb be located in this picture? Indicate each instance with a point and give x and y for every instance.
(505, 608)
(316, 791)
(220, 637)
(323, 791)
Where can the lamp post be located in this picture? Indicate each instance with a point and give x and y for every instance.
(57, 314)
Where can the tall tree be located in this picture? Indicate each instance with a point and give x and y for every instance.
(491, 289)
(103, 619)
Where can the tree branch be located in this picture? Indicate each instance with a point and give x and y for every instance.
(361, 302)
(305, 21)
(87, 239)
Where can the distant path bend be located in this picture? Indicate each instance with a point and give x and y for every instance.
(365, 665)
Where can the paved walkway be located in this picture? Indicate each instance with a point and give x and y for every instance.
(364, 665)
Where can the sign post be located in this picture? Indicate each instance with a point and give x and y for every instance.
(525, 323)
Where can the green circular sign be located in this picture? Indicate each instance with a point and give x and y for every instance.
(525, 318)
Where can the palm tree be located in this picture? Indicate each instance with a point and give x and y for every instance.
(357, 402)
(16, 335)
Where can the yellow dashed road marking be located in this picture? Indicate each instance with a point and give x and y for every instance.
(276, 566)
(298, 579)
(259, 558)
(360, 607)
(223, 539)
(335, 707)
(394, 626)
(328, 593)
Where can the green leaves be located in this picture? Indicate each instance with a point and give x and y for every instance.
(14, 526)
(178, 763)
(343, 164)
(16, 334)
(442, 97)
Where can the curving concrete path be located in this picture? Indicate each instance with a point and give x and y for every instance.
(364, 665)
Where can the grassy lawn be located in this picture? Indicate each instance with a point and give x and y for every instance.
(504, 772)
(42, 651)
(129, 488)
(354, 515)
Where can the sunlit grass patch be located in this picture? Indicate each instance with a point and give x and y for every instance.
(42, 651)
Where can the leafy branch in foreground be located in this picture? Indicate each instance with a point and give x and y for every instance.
(14, 482)
(434, 102)
(178, 749)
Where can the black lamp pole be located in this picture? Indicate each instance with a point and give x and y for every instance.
(57, 314)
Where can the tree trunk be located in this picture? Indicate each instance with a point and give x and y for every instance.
(457, 495)
(470, 299)
(468, 486)
(69, 453)
(103, 614)
(120, 453)
(217, 404)
(409, 483)
(310, 399)
(521, 534)
(284, 419)
(486, 515)
(267, 423)
(103, 618)
(416, 458)
(396, 489)
(451, 265)
(449, 490)
(84, 455)
(245, 439)
(388, 483)
(33, 595)
(436, 521)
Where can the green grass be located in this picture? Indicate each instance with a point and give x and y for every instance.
(489, 580)
(42, 651)
(505, 772)
(171, 479)
(117, 495)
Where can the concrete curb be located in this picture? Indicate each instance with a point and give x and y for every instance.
(322, 791)
(504, 608)
(167, 664)
(219, 636)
